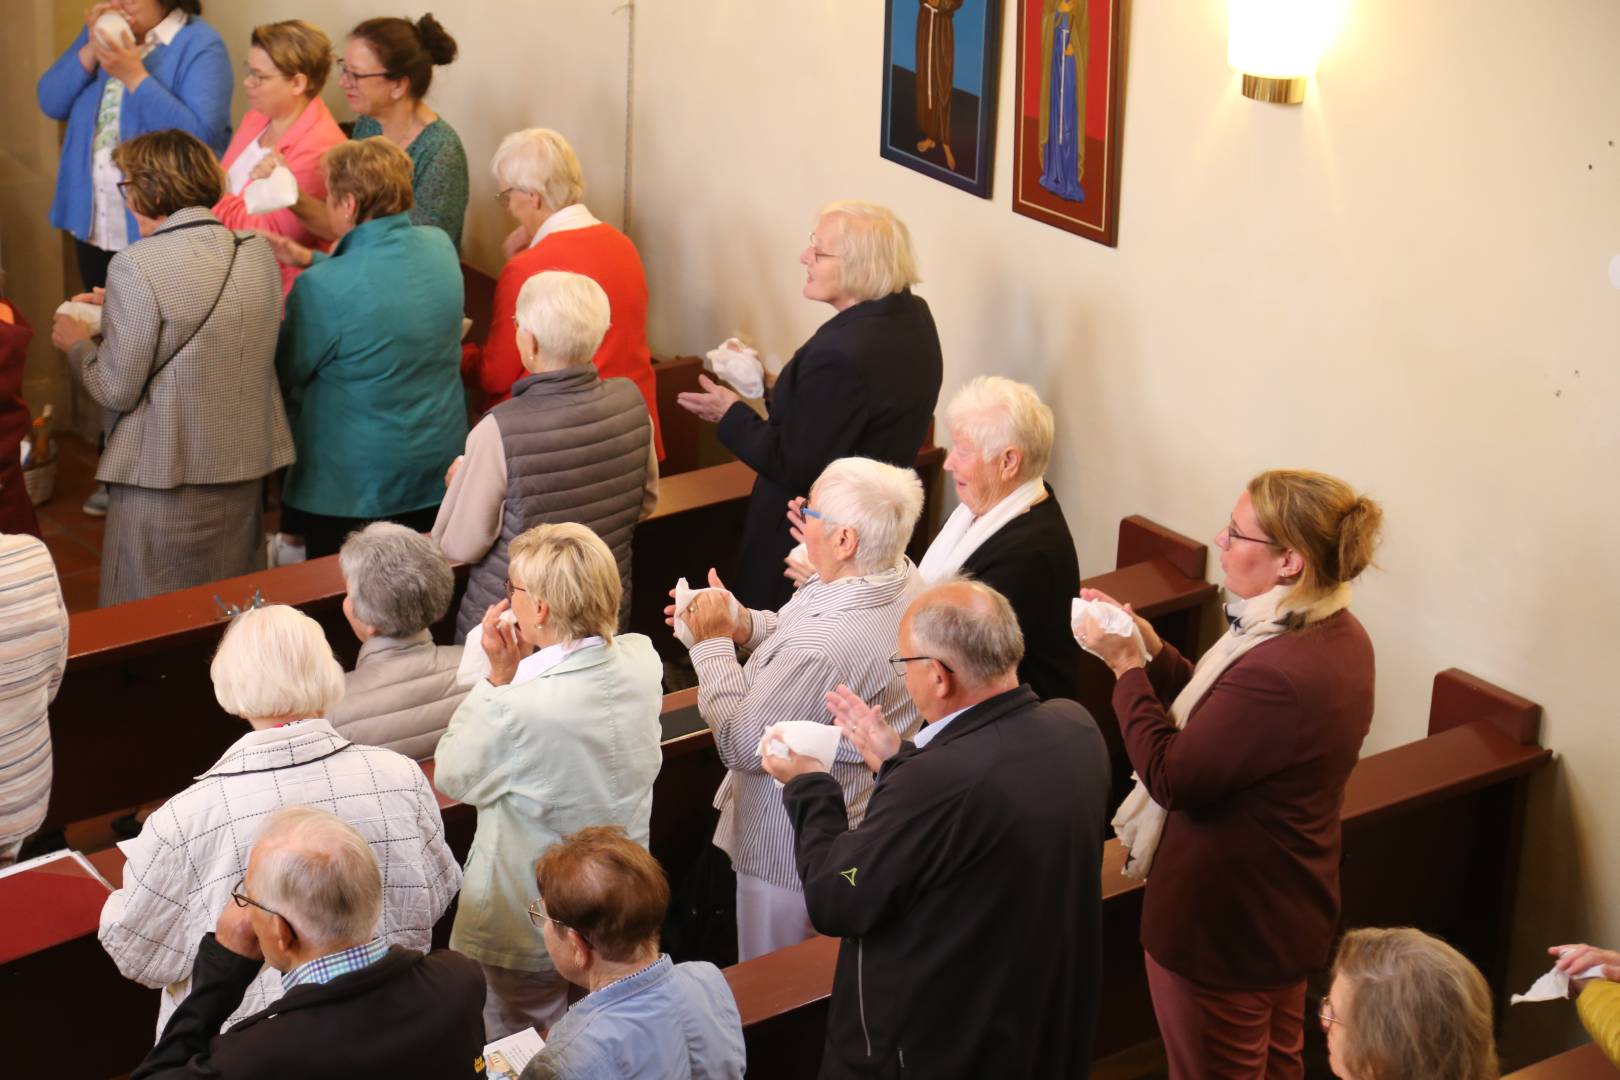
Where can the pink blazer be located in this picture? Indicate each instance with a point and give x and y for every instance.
(312, 134)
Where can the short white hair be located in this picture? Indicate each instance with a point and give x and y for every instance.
(540, 161)
(1000, 414)
(875, 257)
(399, 581)
(567, 314)
(274, 661)
(880, 502)
(316, 871)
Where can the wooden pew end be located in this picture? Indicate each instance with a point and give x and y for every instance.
(1460, 698)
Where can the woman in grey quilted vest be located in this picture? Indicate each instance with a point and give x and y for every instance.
(568, 446)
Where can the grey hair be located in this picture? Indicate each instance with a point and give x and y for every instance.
(275, 661)
(399, 581)
(567, 314)
(876, 257)
(540, 161)
(316, 871)
(880, 502)
(999, 414)
(980, 643)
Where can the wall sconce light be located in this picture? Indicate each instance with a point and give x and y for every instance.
(1275, 44)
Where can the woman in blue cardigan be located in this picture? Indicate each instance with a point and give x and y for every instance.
(172, 72)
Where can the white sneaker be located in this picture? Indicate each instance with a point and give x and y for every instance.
(281, 551)
(96, 504)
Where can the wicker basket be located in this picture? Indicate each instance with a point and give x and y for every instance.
(41, 479)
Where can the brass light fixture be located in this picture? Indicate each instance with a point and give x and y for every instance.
(1275, 44)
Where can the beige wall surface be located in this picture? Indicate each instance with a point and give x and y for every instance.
(1404, 282)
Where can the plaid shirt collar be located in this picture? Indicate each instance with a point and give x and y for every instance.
(323, 969)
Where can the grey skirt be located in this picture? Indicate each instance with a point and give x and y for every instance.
(161, 540)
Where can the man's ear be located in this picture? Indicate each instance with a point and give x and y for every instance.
(282, 934)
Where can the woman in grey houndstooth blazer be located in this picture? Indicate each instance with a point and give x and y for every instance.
(185, 367)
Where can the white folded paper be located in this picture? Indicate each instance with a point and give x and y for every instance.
(113, 29)
(805, 737)
(474, 660)
(1110, 619)
(89, 314)
(504, 1059)
(275, 192)
(1554, 985)
(739, 365)
(684, 595)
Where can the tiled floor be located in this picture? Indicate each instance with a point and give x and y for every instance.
(73, 536)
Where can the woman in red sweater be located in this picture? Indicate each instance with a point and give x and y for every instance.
(541, 185)
(1241, 765)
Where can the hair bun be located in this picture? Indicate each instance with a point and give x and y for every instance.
(436, 41)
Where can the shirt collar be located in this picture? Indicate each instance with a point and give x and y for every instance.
(926, 735)
(577, 216)
(538, 663)
(628, 986)
(323, 969)
(163, 33)
(382, 643)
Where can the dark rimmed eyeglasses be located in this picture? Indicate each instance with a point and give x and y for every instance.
(1233, 534)
(899, 663)
(538, 916)
(512, 588)
(348, 74)
(243, 900)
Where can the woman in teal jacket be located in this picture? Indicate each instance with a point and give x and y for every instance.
(369, 357)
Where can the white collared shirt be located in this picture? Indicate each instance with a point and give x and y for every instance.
(543, 660)
(577, 216)
(926, 735)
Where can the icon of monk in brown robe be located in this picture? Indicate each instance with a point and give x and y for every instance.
(936, 63)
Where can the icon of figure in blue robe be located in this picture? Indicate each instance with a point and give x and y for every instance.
(1065, 44)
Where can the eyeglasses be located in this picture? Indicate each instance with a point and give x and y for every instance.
(1325, 1014)
(1233, 534)
(816, 254)
(124, 186)
(511, 588)
(348, 75)
(501, 196)
(243, 900)
(537, 915)
(899, 663)
(257, 78)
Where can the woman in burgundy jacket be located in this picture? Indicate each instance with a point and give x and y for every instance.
(1241, 765)
(16, 511)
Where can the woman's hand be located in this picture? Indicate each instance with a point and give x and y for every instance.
(516, 240)
(267, 165)
(1119, 653)
(122, 60)
(863, 725)
(1150, 636)
(288, 251)
(450, 473)
(87, 51)
(795, 764)
(501, 644)
(1573, 959)
(710, 403)
(97, 296)
(66, 332)
(798, 571)
(795, 516)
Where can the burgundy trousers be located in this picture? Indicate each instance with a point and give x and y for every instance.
(1214, 1034)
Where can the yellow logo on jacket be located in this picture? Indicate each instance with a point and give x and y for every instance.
(849, 875)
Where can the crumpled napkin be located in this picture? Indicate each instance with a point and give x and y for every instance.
(807, 737)
(275, 192)
(89, 314)
(739, 365)
(112, 28)
(684, 595)
(1111, 619)
(1554, 985)
(474, 660)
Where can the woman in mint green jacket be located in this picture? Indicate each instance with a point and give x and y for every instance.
(563, 738)
(369, 357)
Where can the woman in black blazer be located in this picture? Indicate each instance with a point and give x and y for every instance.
(864, 385)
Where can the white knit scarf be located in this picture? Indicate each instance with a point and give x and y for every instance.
(1139, 820)
(963, 533)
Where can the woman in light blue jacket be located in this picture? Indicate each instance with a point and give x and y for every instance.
(172, 72)
(563, 734)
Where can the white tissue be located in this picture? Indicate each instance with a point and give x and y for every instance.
(739, 365)
(805, 737)
(112, 28)
(1554, 985)
(1111, 620)
(89, 314)
(275, 192)
(684, 595)
(474, 660)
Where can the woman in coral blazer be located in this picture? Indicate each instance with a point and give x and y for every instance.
(286, 68)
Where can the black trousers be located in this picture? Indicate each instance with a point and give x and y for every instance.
(92, 264)
(324, 535)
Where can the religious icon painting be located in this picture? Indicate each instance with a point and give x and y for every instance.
(941, 61)
(1066, 145)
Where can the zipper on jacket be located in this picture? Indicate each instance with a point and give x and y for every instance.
(860, 990)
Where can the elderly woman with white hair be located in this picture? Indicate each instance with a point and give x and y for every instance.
(838, 630)
(864, 385)
(541, 186)
(568, 445)
(403, 688)
(564, 733)
(1008, 530)
(274, 670)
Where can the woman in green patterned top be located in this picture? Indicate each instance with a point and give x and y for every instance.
(385, 71)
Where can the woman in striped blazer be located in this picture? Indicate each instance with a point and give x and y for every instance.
(33, 652)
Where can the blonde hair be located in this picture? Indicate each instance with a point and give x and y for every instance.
(1418, 1010)
(169, 171)
(571, 569)
(567, 314)
(876, 257)
(274, 661)
(540, 161)
(297, 48)
(1334, 529)
(1001, 414)
(316, 871)
(375, 171)
(880, 502)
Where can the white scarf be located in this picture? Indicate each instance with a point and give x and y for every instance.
(963, 533)
(1140, 821)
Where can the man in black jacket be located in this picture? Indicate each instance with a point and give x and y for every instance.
(309, 905)
(969, 899)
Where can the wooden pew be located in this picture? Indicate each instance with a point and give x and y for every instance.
(1582, 1063)
(1431, 839)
